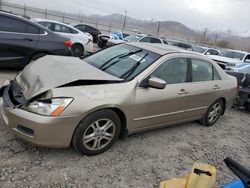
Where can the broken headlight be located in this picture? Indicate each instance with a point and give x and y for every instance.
(48, 107)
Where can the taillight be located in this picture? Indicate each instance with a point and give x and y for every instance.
(67, 43)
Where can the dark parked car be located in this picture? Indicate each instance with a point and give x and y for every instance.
(88, 29)
(22, 41)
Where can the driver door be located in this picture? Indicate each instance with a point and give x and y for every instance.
(156, 107)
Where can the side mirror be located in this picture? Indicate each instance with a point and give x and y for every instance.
(156, 83)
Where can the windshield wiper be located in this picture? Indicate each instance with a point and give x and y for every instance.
(132, 69)
(102, 67)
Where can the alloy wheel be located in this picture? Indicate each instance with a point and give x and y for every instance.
(99, 134)
(214, 112)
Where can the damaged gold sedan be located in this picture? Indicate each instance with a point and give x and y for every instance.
(57, 101)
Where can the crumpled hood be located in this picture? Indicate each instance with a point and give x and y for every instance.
(53, 71)
(224, 59)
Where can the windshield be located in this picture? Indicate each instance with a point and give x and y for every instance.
(233, 55)
(133, 38)
(199, 49)
(120, 59)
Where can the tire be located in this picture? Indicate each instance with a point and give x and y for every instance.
(97, 132)
(213, 113)
(77, 50)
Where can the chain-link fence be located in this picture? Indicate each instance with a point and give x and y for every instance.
(32, 12)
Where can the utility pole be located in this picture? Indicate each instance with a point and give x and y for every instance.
(24, 10)
(46, 13)
(1, 4)
(204, 35)
(158, 29)
(125, 18)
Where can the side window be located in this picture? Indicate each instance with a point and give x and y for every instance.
(201, 70)
(173, 71)
(216, 74)
(63, 29)
(12, 25)
(146, 39)
(247, 59)
(155, 40)
(32, 29)
(88, 28)
(215, 52)
(48, 25)
(80, 27)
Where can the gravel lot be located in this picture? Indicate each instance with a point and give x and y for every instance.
(142, 160)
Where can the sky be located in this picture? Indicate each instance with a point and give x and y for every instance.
(196, 14)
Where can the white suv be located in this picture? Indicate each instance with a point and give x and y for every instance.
(81, 42)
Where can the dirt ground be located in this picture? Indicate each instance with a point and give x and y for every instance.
(141, 160)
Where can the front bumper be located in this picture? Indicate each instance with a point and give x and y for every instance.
(37, 129)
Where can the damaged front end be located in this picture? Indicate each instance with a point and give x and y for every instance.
(12, 95)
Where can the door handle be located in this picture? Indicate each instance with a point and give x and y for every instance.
(28, 39)
(183, 92)
(216, 87)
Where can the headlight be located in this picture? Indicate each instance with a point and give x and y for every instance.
(48, 107)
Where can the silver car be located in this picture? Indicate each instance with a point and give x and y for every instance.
(128, 88)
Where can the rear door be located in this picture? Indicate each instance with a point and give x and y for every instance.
(205, 87)
(18, 40)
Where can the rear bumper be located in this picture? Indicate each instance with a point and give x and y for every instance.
(37, 129)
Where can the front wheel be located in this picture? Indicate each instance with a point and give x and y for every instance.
(213, 114)
(97, 132)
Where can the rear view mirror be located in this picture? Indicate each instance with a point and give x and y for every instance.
(156, 83)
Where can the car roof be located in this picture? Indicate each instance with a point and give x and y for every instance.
(53, 21)
(161, 49)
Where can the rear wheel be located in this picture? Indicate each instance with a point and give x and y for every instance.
(213, 113)
(97, 132)
(77, 50)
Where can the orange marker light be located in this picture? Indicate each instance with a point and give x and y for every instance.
(57, 111)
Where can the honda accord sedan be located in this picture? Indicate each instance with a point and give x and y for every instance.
(58, 101)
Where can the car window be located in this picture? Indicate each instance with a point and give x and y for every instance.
(63, 29)
(173, 71)
(214, 52)
(47, 25)
(201, 70)
(118, 66)
(32, 29)
(88, 28)
(155, 40)
(146, 39)
(216, 75)
(247, 59)
(12, 25)
(81, 27)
